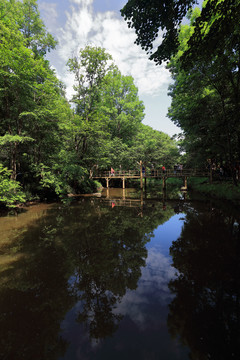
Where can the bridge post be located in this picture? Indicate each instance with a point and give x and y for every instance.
(141, 175)
(107, 180)
(123, 182)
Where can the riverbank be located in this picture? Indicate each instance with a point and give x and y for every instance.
(218, 190)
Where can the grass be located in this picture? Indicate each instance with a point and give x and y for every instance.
(221, 190)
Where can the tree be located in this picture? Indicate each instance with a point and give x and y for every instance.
(108, 112)
(32, 104)
(154, 148)
(147, 17)
(48, 146)
(150, 17)
(205, 99)
(89, 69)
(121, 106)
(216, 29)
(16, 72)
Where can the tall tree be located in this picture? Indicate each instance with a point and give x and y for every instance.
(205, 97)
(30, 90)
(89, 69)
(122, 108)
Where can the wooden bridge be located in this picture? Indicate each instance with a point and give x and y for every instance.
(149, 174)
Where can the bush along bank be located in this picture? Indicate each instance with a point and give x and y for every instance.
(13, 194)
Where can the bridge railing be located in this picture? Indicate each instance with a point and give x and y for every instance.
(118, 173)
(158, 173)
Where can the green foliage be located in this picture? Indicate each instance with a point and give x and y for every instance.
(35, 116)
(52, 146)
(98, 185)
(10, 191)
(122, 110)
(8, 139)
(89, 69)
(147, 17)
(60, 180)
(153, 148)
(108, 129)
(157, 20)
(215, 31)
(205, 93)
(29, 88)
(204, 62)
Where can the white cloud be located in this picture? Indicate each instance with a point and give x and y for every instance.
(49, 11)
(82, 2)
(108, 30)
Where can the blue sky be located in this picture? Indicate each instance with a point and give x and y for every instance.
(76, 23)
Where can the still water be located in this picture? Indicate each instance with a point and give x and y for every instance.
(120, 277)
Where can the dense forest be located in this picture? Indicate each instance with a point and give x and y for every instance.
(49, 144)
(202, 51)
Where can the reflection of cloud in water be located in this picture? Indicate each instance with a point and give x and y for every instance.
(145, 310)
(157, 274)
(152, 289)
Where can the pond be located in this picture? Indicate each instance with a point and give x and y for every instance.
(121, 276)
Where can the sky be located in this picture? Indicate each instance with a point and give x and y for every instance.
(77, 23)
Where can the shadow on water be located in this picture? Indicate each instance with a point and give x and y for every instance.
(72, 276)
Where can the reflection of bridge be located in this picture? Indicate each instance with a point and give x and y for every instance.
(126, 203)
(149, 174)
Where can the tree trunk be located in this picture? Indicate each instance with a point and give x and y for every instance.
(14, 162)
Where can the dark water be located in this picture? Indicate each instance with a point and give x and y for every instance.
(120, 278)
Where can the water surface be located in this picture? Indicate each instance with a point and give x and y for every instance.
(121, 276)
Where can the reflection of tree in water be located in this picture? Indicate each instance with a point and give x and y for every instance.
(205, 312)
(34, 296)
(98, 248)
(108, 255)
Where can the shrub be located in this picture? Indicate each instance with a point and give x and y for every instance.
(10, 191)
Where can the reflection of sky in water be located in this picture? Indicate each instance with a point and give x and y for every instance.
(143, 332)
(165, 234)
(153, 284)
